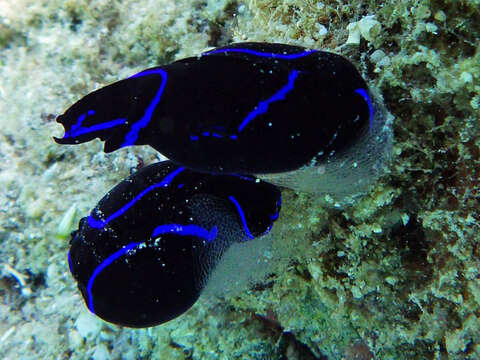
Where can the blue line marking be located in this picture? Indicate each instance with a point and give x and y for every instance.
(98, 224)
(242, 216)
(262, 54)
(97, 127)
(186, 230)
(274, 216)
(364, 94)
(80, 120)
(132, 135)
(260, 109)
(109, 260)
(243, 177)
(213, 134)
(70, 262)
(263, 105)
(77, 129)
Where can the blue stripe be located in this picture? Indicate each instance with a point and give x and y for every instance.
(109, 260)
(98, 127)
(97, 224)
(262, 54)
(77, 129)
(243, 177)
(70, 262)
(242, 216)
(185, 230)
(364, 94)
(80, 120)
(263, 105)
(132, 135)
(260, 109)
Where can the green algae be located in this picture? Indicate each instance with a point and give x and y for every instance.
(394, 275)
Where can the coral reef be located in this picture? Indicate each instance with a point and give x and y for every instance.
(395, 274)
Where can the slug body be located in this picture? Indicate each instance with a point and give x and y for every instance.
(248, 108)
(144, 254)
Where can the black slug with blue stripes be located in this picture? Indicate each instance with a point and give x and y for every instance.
(247, 108)
(144, 254)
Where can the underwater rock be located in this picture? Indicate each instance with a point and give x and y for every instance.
(145, 252)
(251, 108)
